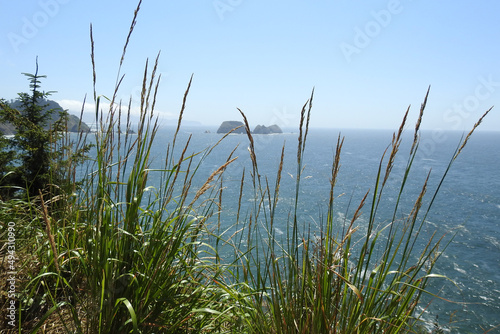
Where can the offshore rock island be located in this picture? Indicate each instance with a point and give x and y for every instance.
(227, 126)
(265, 130)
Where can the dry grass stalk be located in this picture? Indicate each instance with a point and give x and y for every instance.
(240, 195)
(157, 83)
(144, 90)
(358, 212)
(470, 133)
(186, 183)
(308, 118)
(182, 110)
(278, 177)
(418, 203)
(49, 231)
(303, 133)
(251, 148)
(419, 121)
(132, 26)
(92, 58)
(207, 185)
(336, 165)
(301, 125)
(145, 101)
(396, 141)
(222, 138)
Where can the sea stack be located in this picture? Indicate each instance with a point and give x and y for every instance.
(227, 126)
(265, 130)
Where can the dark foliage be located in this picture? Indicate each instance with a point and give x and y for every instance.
(35, 153)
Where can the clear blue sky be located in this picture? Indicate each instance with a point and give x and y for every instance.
(368, 61)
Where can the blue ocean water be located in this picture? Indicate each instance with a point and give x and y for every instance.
(466, 208)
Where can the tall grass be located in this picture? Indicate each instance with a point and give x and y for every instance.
(125, 255)
(345, 280)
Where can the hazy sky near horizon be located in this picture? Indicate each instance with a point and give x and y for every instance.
(367, 61)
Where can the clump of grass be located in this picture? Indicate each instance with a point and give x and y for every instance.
(345, 280)
(127, 256)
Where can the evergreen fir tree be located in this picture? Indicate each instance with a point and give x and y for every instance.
(30, 158)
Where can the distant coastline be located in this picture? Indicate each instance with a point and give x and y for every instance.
(74, 124)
